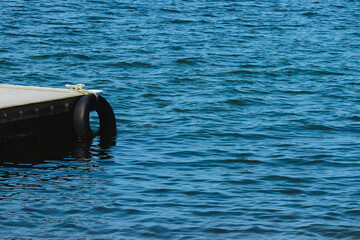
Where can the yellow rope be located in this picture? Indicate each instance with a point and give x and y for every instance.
(80, 88)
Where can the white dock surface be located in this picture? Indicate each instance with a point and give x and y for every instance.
(11, 95)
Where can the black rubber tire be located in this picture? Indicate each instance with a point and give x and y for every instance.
(89, 103)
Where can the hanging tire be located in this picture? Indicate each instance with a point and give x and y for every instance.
(89, 103)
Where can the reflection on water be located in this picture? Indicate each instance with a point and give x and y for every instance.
(32, 152)
(50, 184)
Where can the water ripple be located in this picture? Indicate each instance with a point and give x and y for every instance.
(236, 120)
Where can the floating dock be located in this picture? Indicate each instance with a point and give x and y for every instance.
(38, 111)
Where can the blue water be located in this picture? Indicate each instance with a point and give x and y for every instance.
(236, 119)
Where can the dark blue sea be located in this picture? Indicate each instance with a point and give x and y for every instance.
(236, 119)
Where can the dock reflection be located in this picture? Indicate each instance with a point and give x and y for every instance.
(31, 152)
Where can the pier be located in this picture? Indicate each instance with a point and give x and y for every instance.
(38, 112)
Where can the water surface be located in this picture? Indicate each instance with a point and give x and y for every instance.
(236, 120)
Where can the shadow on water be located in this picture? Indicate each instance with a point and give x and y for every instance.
(33, 151)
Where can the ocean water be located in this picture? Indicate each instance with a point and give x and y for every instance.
(236, 119)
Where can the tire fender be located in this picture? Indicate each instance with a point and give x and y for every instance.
(89, 103)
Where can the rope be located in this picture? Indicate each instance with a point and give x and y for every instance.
(80, 88)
